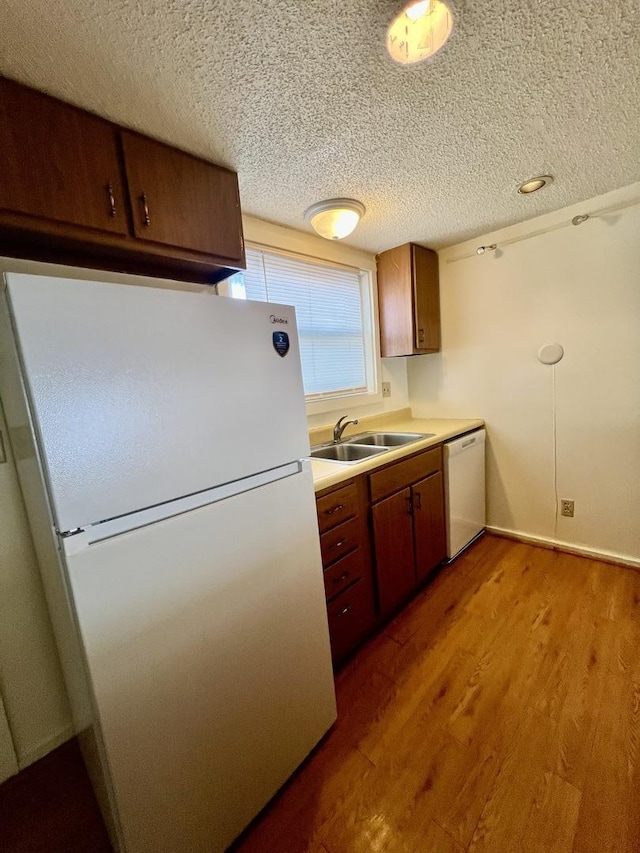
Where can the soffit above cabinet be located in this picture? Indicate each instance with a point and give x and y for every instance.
(303, 101)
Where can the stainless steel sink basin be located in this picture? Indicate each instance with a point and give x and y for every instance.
(389, 439)
(345, 452)
(365, 445)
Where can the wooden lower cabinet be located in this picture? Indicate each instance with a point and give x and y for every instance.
(381, 536)
(346, 561)
(393, 549)
(409, 537)
(351, 618)
(429, 533)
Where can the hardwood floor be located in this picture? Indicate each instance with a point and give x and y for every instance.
(499, 712)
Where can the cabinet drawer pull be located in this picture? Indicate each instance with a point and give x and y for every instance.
(421, 336)
(146, 219)
(409, 505)
(112, 200)
(334, 509)
(345, 610)
(342, 577)
(338, 543)
(418, 500)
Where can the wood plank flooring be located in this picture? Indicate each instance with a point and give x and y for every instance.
(499, 712)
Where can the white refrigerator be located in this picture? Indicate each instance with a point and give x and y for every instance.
(158, 436)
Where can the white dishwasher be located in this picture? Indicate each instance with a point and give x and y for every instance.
(464, 490)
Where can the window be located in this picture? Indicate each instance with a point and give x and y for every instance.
(334, 315)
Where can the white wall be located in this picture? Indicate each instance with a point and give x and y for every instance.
(30, 678)
(579, 286)
(267, 234)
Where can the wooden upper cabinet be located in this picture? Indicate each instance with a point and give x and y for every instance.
(180, 200)
(59, 163)
(409, 301)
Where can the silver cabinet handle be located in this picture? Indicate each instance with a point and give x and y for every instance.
(342, 577)
(146, 219)
(112, 200)
(333, 509)
(338, 543)
(345, 610)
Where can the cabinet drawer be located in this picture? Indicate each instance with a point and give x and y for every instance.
(343, 573)
(351, 618)
(339, 541)
(337, 507)
(402, 474)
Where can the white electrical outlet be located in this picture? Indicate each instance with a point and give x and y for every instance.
(566, 508)
(386, 389)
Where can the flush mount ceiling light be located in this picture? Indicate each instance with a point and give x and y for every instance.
(534, 184)
(419, 31)
(335, 218)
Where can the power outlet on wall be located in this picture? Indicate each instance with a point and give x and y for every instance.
(386, 389)
(566, 508)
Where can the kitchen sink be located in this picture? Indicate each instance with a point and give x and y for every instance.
(345, 452)
(388, 439)
(363, 446)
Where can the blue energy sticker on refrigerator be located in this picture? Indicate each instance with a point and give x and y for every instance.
(281, 343)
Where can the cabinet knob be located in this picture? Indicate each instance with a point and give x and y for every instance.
(342, 577)
(338, 543)
(345, 610)
(146, 219)
(112, 200)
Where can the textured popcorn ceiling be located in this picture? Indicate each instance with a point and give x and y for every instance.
(302, 100)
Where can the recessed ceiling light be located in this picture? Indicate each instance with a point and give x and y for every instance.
(534, 184)
(335, 218)
(419, 31)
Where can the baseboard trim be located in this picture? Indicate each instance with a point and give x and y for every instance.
(46, 747)
(567, 547)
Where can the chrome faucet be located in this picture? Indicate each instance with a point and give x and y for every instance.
(340, 427)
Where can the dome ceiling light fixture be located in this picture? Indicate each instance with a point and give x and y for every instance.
(335, 218)
(419, 31)
(535, 184)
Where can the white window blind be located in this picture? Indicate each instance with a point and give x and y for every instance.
(329, 312)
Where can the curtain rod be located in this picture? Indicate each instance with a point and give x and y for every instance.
(576, 220)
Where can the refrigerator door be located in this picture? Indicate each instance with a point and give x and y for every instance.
(141, 395)
(207, 648)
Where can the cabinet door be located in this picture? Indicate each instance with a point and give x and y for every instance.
(426, 296)
(58, 163)
(429, 532)
(182, 201)
(393, 545)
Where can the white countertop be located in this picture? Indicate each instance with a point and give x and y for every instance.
(327, 474)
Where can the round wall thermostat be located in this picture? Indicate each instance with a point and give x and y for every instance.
(550, 353)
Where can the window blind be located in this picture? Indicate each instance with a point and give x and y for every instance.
(328, 303)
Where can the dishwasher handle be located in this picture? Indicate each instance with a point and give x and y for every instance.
(465, 443)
